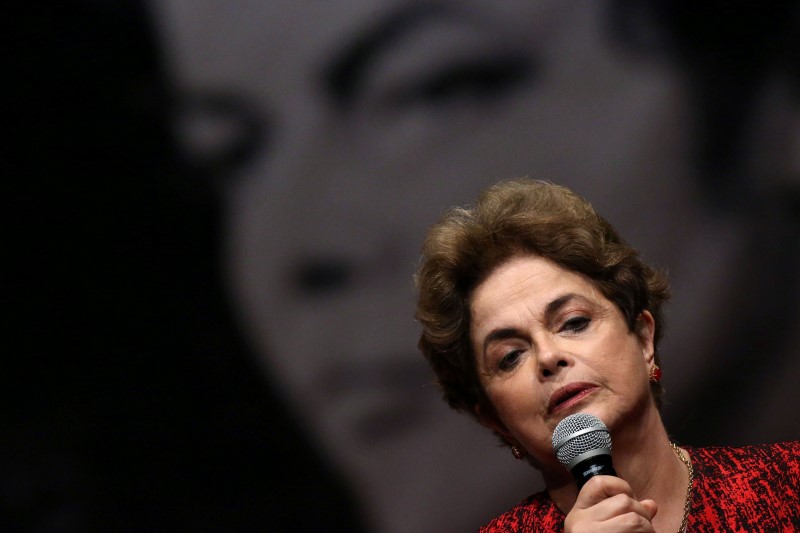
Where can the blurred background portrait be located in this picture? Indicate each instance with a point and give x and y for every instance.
(262, 208)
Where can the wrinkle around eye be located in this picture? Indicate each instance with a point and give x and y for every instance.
(576, 324)
(510, 360)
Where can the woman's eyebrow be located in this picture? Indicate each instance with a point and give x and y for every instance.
(556, 305)
(500, 335)
(551, 309)
(343, 78)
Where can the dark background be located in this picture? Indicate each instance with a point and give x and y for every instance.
(133, 397)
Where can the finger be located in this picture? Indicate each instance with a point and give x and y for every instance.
(620, 505)
(601, 488)
(651, 506)
(628, 522)
(617, 513)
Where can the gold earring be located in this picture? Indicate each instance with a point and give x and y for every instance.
(516, 452)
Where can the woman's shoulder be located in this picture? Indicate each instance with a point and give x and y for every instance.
(757, 462)
(732, 458)
(537, 513)
(739, 488)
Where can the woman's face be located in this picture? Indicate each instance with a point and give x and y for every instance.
(325, 229)
(549, 344)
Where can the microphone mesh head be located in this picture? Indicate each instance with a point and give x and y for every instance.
(568, 446)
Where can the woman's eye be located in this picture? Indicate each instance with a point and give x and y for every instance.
(576, 324)
(510, 360)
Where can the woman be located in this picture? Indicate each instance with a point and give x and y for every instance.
(532, 309)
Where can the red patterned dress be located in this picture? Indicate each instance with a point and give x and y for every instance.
(753, 488)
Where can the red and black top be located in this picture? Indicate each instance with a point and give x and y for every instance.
(753, 488)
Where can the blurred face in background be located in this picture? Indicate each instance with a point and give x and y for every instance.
(386, 114)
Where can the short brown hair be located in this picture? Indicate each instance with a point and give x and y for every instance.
(512, 218)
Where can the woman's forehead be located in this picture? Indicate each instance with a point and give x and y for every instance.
(532, 282)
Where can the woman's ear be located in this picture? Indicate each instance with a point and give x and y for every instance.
(646, 331)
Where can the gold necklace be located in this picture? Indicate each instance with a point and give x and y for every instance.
(688, 503)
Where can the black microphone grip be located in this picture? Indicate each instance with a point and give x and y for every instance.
(597, 465)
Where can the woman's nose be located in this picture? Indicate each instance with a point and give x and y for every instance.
(549, 357)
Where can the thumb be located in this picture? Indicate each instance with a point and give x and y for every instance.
(651, 506)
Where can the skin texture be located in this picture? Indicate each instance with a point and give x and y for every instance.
(537, 328)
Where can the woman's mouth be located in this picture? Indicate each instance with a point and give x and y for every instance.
(569, 395)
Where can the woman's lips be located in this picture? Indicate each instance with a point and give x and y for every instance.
(569, 395)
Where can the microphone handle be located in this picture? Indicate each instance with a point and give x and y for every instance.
(597, 465)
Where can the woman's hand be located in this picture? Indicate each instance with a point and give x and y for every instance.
(607, 503)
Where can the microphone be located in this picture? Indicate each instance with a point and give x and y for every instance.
(582, 444)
